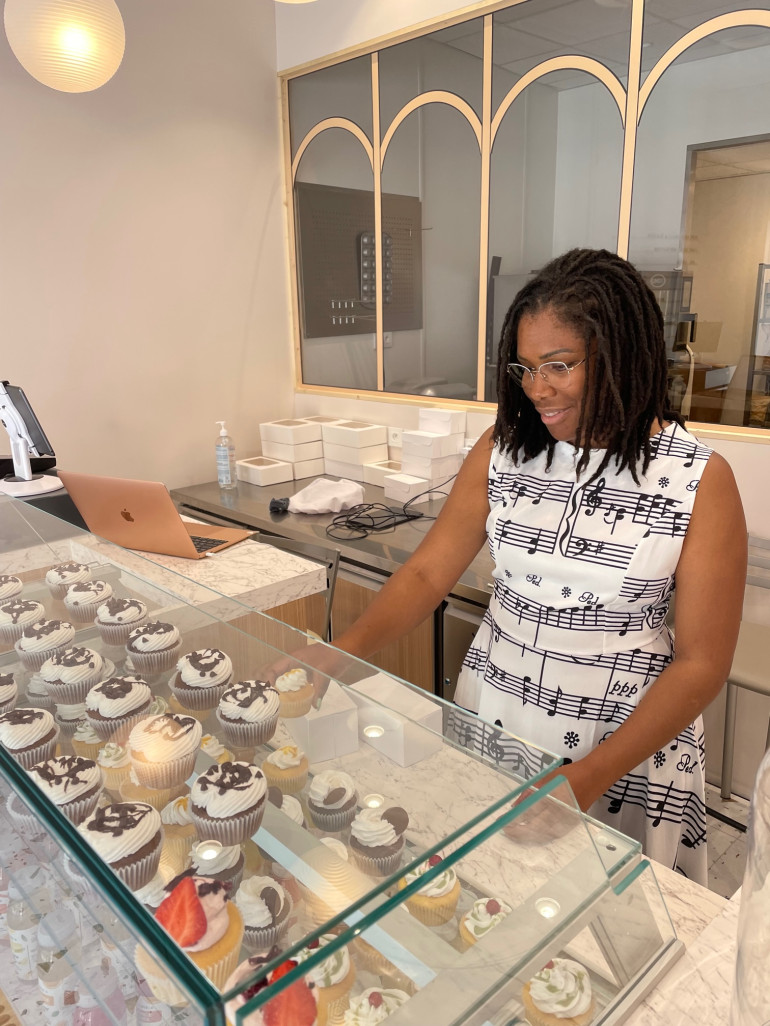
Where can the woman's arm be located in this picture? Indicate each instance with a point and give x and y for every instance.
(710, 582)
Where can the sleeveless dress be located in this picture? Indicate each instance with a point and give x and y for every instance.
(575, 632)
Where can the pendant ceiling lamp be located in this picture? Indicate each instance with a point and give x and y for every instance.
(71, 45)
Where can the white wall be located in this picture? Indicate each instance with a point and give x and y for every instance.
(143, 281)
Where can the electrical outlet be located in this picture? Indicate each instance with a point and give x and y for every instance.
(387, 340)
(394, 436)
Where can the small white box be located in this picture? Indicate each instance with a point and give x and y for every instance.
(328, 732)
(430, 444)
(374, 473)
(289, 432)
(434, 470)
(354, 432)
(308, 468)
(442, 422)
(292, 453)
(260, 470)
(352, 471)
(403, 725)
(319, 418)
(404, 486)
(355, 454)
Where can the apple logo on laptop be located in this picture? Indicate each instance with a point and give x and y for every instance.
(126, 515)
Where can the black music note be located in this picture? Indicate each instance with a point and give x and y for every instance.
(695, 841)
(554, 702)
(613, 715)
(613, 516)
(533, 541)
(691, 460)
(594, 497)
(624, 629)
(584, 703)
(660, 808)
(617, 802)
(494, 749)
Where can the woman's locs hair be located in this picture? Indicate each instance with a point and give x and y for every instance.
(606, 300)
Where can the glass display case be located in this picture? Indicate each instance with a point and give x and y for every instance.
(368, 797)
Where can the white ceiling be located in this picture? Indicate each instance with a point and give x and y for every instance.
(532, 32)
(733, 161)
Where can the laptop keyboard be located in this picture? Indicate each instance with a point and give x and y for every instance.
(204, 544)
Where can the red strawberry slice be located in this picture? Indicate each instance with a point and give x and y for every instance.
(283, 969)
(182, 915)
(434, 860)
(493, 907)
(294, 1006)
(375, 999)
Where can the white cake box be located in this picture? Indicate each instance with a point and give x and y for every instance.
(261, 470)
(430, 445)
(289, 432)
(354, 432)
(352, 471)
(319, 418)
(442, 422)
(292, 453)
(404, 486)
(328, 732)
(308, 468)
(355, 454)
(406, 727)
(434, 470)
(374, 473)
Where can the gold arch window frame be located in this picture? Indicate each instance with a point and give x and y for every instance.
(630, 101)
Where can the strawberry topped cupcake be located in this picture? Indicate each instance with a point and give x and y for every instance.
(559, 995)
(202, 679)
(480, 918)
(61, 576)
(433, 904)
(374, 1006)
(296, 1005)
(333, 976)
(84, 598)
(16, 615)
(117, 617)
(41, 640)
(228, 802)
(116, 704)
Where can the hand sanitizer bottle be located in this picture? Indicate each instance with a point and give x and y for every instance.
(225, 450)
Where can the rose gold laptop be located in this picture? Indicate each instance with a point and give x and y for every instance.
(142, 515)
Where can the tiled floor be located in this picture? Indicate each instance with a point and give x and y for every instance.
(726, 844)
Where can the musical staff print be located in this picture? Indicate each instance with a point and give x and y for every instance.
(575, 634)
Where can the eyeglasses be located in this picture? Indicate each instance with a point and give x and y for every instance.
(555, 373)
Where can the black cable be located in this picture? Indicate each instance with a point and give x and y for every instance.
(374, 517)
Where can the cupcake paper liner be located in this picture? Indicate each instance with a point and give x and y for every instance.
(116, 729)
(234, 830)
(39, 753)
(292, 707)
(114, 777)
(117, 633)
(164, 774)
(247, 735)
(85, 612)
(262, 938)
(332, 820)
(81, 808)
(155, 662)
(434, 911)
(34, 660)
(137, 874)
(382, 866)
(199, 698)
(8, 706)
(26, 821)
(177, 847)
(58, 591)
(88, 749)
(158, 797)
(71, 694)
(11, 632)
(289, 783)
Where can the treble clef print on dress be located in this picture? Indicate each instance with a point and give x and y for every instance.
(594, 497)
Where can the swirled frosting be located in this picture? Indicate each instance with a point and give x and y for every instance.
(165, 738)
(177, 812)
(66, 778)
(70, 712)
(205, 668)
(227, 789)
(292, 808)
(118, 697)
(113, 756)
(9, 586)
(286, 757)
(153, 893)
(86, 593)
(227, 857)
(484, 914)
(249, 701)
(45, 635)
(561, 988)
(20, 611)
(121, 611)
(292, 680)
(336, 846)
(157, 706)
(86, 733)
(212, 746)
(23, 728)
(332, 789)
(373, 1006)
(371, 830)
(153, 637)
(67, 573)
(119, 830)
(8, 688)
(436, 888)
(330, 970)
(72, 665)
(261, 901)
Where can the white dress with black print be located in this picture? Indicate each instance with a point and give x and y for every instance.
(575, 632)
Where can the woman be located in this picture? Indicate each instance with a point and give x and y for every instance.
(596, 503)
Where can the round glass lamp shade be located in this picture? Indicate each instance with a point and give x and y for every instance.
(70, 45)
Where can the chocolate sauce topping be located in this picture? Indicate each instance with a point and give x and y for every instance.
(155, 627)
(20, 717)
(206, 660)
(122, 605)
(228, 776)
(116, 819)
(75, 657)
(68, 568)
(116, 687)
(8, 578)
(18, 607)
(43, 628)
(169, 726)
(6, 679)
(247, 692)
(67, 770)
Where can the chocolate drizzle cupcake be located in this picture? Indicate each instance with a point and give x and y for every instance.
(153, 647)
(16, 615)
(41, 640)
(73, 784)
(129, 837)
(70, 673)
(84, 598)
(117, 617)
(116, 704)
(163, 749)
(248, 713)
(202, 679)
(227, 802)
(10, 587)
(8, 692)
(29, 735)
(61, 576)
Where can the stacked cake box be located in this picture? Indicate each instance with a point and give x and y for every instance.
(349, 445)
(430, 455)
(442, 422)
(296, 442)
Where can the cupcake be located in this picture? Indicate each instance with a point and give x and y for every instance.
(223, 862)
(265, 907)
(37, 693)
(332, 800)
(72, 784)
(85, 740)
(153, 893)
(70, 717)
(333, 976)
(559, 995)
(294, 1006)
(163, 749)
(115, 765)
(129, 837)
(10, 587)
(41, 640)
(296, 693)
(117, 617)
(435, 903)
(131, 790)
(29, 735)
(153, 647)
(228, 802)
(84, 598)
(70, 673)
(248, 713)
(60, 577)
(377, 840)
(8, 692)
(374, 1006)
(287, 803)
(202, 678)
(287, 767)
(178, 829)
(480, 918)
(116, 704)
(15, 616)
(215, 750)
(197, 914)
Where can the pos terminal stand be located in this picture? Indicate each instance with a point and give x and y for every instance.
(27, 439)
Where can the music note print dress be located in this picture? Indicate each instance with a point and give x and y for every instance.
(575, 632)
